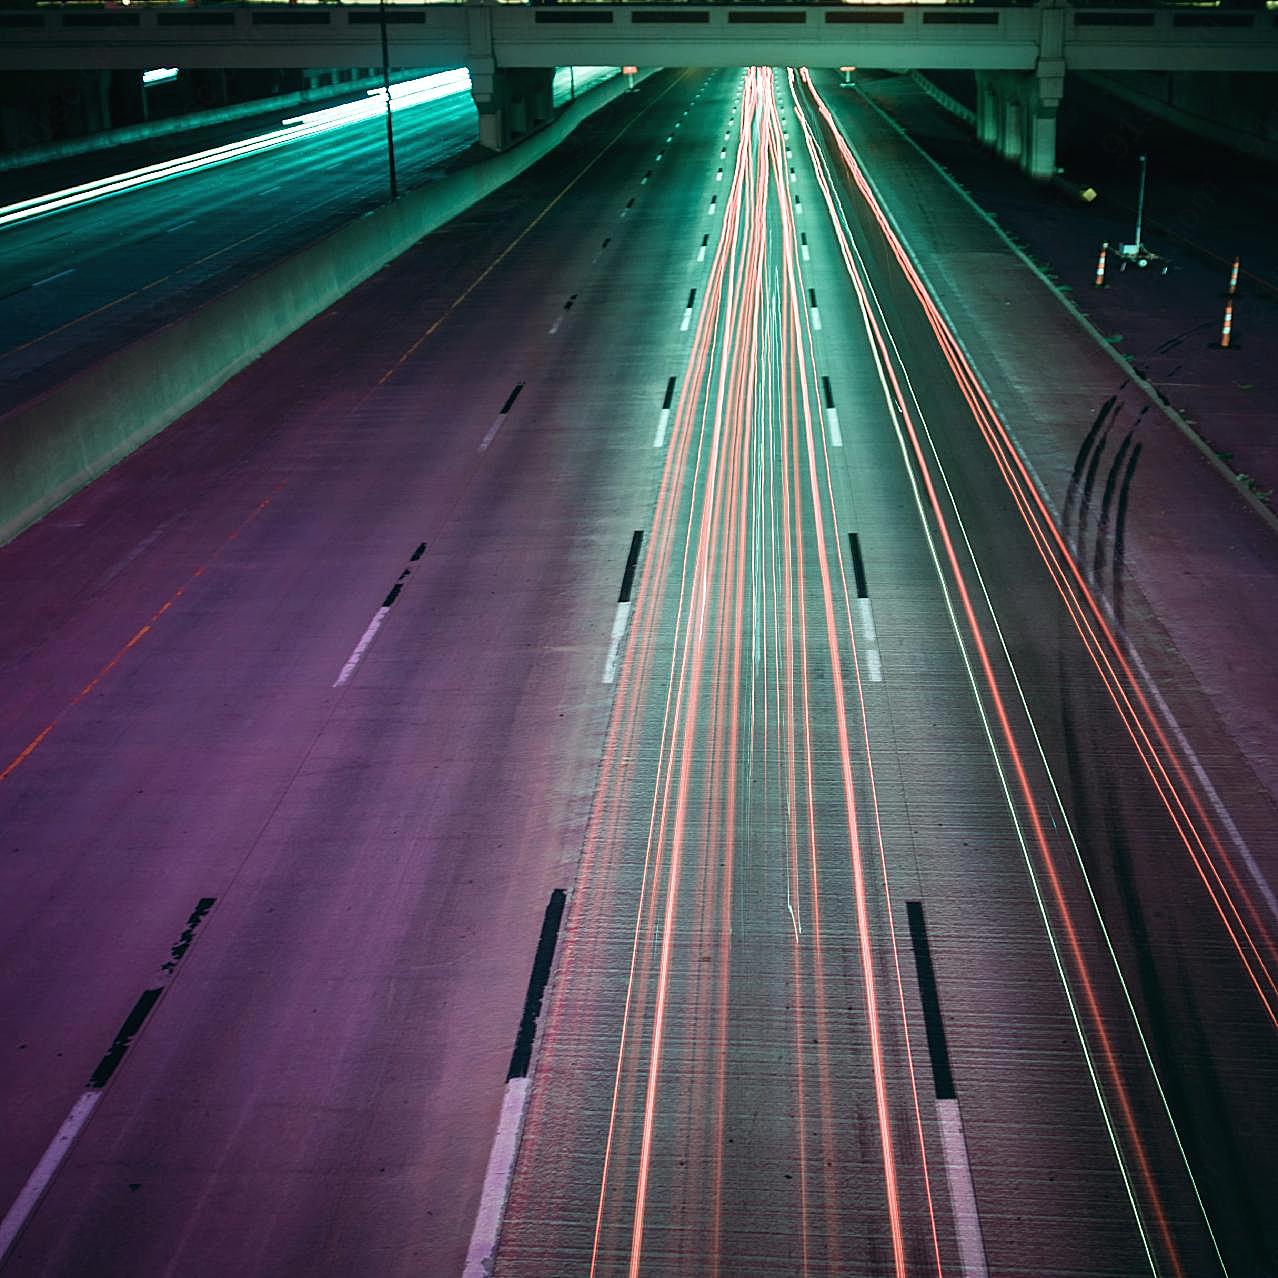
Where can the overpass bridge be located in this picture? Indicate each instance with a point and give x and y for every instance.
(1021, 54)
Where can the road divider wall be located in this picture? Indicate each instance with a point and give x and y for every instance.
(55, 444)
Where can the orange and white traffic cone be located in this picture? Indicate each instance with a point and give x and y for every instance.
(1227, 325)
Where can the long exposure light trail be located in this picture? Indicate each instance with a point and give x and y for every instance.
(911, 425)
(740, 544)
(1250, 936)
(408, 93)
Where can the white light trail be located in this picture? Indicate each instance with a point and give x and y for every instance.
(407, 94)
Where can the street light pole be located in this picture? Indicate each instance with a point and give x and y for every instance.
(1140, 208)
(390, 128)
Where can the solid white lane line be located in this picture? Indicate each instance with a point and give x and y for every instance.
(661, 428)
(501, 1165)
(832, 424)
(30, 1194)
(189, 221)
(360, 648)
(614, 645)
(958, 1171)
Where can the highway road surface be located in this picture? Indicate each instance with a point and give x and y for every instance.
(80, 282)
(820, 618)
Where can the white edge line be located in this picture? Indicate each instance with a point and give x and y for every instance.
(614, 646)
(360, 648)
(501, 1166)
(958, 1171)
(31, 1193)
(832, 421)
(661, 428)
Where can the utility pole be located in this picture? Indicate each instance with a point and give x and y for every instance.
(390, 128)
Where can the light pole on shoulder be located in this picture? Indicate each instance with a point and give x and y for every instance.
(390, 128)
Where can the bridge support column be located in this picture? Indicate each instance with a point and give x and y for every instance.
(1046, 91)
(1016, 115)
(987, 109)
(512, 102)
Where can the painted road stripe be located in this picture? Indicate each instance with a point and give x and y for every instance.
(718, 177)
(501, 1158)
(687, 312)
(643, 181)
(701, 250)
(491, 433)
(814, 311)
(831, 415)
(614, 642)
(632, 562)
(958, 1172)
(798, 203)
(858, 565)
(357, 653)
(501, 1165)
(623, 609)
(713, 201)
(958, 1166)
(663, 422)
(30, 1194)
(803, 245)
(46, 1168)
(189, 221)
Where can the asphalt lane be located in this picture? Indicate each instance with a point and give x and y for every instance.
(739, 1068)
(77, 285)
(329, 1092)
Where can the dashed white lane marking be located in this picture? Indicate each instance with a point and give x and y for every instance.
(836, 435)
(189, 221)
(554, 328)
(361, 648)
(31, 1193)
(687, 320)
(662, 426)
(48, 279)
(803, 248)
(501, 1165)
(701, 253)
(614, 644)
(958, 1172)
(872, 659)
(491, 433)
(816, 318)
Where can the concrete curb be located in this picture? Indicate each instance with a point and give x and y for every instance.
(54, 445)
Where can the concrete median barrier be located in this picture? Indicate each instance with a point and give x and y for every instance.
(53, 445)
